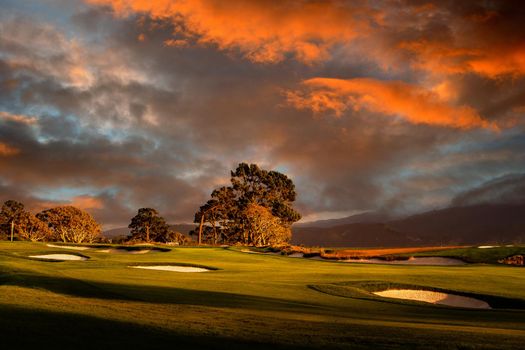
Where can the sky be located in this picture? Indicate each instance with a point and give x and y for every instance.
(397, 106)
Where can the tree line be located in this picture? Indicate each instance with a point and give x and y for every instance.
(256, 209)
(73, 225)
(62, 223)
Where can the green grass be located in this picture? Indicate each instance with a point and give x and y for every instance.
(476, 255)
(250, 301)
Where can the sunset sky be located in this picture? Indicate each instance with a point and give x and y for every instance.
(396, 106)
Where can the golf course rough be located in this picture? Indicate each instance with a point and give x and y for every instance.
(436, 261)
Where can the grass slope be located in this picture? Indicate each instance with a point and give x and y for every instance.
(250, 301)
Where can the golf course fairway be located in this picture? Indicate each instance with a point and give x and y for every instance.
(252, 301)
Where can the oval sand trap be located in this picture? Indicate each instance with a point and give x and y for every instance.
(172, 268)
(434, 298)
(72, 247)
(58, 257)
(437, 261)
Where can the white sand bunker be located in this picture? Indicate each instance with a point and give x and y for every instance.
(58, 257)
(487, 246)
(296, 255)
(172, 268)
(434, 298)
(72, 247)
(437, 261)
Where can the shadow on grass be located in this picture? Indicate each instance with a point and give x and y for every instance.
(22, 328)
(153, 294)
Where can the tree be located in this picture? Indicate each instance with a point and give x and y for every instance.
(257, 198)
(70, 224)
(10, 216)
(33, 229)
(269, 189)
(23, 223)
(149, 226)
(175, 237)
(218, 214)
(263, 228)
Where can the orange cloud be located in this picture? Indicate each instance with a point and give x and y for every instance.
(18, 118)
(268, 32)
(263, 31)
(83, 202)
(7, 151)
(439, 58)
(413, 103)
(87, 202)
(500, 62)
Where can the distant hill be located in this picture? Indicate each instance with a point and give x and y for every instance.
(498, 223)
(183, 228)
(368, 217)
(480, 224)
(351, 235)
(116, 232)
(124, 231)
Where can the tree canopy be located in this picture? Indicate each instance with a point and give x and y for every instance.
(26, 226)
(149, 226)
(71, 224)
(255, 209)
(11, 213)
(31, 228)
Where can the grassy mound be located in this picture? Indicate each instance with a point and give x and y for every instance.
(477, 255)
(364, 290)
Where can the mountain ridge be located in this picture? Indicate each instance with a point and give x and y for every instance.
(476, 224)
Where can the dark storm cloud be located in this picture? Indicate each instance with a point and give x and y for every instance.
(509, 189)
(135, 169)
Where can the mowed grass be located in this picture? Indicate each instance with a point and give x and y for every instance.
(251, 301)
(478, 255)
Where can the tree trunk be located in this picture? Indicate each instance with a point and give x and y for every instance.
(200, 229)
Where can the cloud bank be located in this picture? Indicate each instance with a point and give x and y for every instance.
(400, 106)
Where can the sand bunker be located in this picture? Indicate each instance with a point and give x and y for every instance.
(434, 298)
(437, 261)
(124, 251)
(296, 255)
(487, 246)
(255, 252)
(172, 268)
(317, 257)
(58, 257)
(72, 247)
